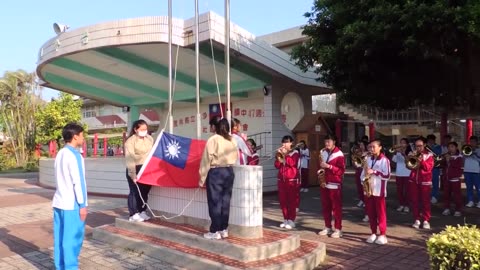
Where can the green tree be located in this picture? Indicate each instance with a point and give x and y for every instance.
(20, 99)
(394, 52)
(51, 118)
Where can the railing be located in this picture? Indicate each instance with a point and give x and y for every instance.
(413, 115)
(261, 139)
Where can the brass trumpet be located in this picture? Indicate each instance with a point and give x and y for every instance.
(467, 150)
(280, 156)
(413, 160)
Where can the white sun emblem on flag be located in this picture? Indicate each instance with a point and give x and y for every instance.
(173, 149)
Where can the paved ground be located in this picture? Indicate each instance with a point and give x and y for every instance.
(26, 231)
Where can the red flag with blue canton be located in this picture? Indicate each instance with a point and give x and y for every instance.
(173, 162)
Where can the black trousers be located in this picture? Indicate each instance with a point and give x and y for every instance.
(219, 192)
(135, 204)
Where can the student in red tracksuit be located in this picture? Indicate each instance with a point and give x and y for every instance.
(288, 182)
(452, 164)
(420, 185)
(378, 173)
(333, 164)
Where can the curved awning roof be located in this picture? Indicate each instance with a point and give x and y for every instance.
(126, 62)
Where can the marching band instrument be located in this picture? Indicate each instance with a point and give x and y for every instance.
(280, 156)
(356, 153)
(321, 172)
(413, 160)
(436, 158)
(366, 179)
(467, 150)
(394, 148)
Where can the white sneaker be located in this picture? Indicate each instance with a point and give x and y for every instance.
(406, 209)
(144, 215)
(136, 218)
(291, 223)
(224, 233)
(434, 200)
(282, 225)
(305, 190)
(212, 236)
(371, 238)
(360, 204)
(400, 208)
(366, 219)
(302, 190)
(381, 240)
(426, 225)
(478, 205)
(326, 231)
(416, 224)
(457, 214)
(336, 234)
(446, 212)
(470, 204)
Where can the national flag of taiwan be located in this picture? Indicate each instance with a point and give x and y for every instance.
(173, 162)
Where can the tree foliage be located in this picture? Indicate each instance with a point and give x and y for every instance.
(393, 52)
(55, 115)
(20, 99)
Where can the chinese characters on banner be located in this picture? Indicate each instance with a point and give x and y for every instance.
(238, 112)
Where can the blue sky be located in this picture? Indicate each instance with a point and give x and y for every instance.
(26, 25)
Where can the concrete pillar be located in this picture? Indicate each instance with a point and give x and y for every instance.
(133, 115)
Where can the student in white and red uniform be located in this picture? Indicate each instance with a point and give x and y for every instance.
(452, 164)
(288, 182)
(255, 158)
(420, 185)
(244, 151)
(402, 175)
(379, 173)
(331, 194)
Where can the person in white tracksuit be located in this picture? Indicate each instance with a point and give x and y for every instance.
(70, 200)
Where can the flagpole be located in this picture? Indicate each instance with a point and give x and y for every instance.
(227, 59)
(197, 70)
(170, 88)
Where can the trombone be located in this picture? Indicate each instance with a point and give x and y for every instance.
(395, 148)
(467, 150)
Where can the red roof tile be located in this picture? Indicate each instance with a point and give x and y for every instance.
(110, 119)
(152, 115)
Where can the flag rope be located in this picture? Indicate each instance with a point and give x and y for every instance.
(216, 78)
(163, 216)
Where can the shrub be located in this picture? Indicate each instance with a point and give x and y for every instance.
(455, 248)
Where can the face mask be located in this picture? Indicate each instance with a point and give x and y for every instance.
(142, 133)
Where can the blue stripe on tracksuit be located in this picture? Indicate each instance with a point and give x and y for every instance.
(68, 228)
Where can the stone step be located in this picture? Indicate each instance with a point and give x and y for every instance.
(272, 244)
(307, 256)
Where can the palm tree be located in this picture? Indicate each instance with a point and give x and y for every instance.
(19, 101)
